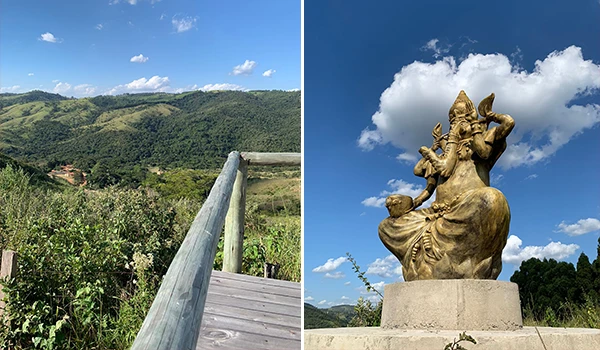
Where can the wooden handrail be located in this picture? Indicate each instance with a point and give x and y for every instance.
(175, 316)
(233, 244)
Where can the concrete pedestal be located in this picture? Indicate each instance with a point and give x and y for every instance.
(452, 304)
(430, 314)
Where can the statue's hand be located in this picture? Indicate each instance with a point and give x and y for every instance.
(417, 203)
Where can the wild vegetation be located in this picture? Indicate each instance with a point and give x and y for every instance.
(92, 258)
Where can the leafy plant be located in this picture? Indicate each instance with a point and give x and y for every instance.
(455, 345)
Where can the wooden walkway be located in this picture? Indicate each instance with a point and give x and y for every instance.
(246, 312)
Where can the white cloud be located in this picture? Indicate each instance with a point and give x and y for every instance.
(154, 84)
(139, 59)
(269, 73)
(432, 45)
(61, 88)
(378, 286)
(293, 90)
(347, 283)
(30, 74)
(335, 275)
(408, 158)
(322, 302)
(531, 177)
(397, 187)
(245, 68)
(344, 297)
(496, 179)
(49, 37)
(162, 16)
(224, 86)
(540, 101)
(84, 90)
(55, 81)
(13, 88)
(330, 265)
(582, 227)
(99, 26)
(183, 24)
(130, 2)
(514, 254)
(387, 267)
(309, 299)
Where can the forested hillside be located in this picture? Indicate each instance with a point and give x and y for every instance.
(188, 130)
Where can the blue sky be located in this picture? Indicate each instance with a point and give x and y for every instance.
(86, 48)
(541, 59)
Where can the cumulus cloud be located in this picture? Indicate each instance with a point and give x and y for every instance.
(183, 24)
(62, 88)
(582, 227)
(513, 253)
(372, 295)
(335, 275)
(386, 268)
(154, 84)
(409, 158)
(84, 90)
(224, 86)
(293, 90)
(139, 59)
(309, 299)
(245, 68)
(542, 102)
(330, 265)
(397, 187)
(13, 88)
(344, 297)
(433, 45)
(322, 302)
(346, 283)
(269, 73)
(99, 26)
(49, 37)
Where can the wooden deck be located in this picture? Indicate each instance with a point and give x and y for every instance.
(246, 312)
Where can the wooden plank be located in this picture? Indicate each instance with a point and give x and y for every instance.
(255, 287)
(256, 296)
(255, 279)
(265, 306)
(243, 324)
(175, 316)
(8, 270)
(225, 339)
(256, 158)
(234, 222)
(251, 314)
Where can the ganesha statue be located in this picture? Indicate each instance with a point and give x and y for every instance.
(464, 231)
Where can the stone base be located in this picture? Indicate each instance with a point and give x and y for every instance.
(452, 304)
(375, 338)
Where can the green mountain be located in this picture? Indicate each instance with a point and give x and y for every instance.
(333, 317)
(188, 130)
(36, 175)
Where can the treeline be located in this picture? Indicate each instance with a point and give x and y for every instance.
(115, 133)
(551, 289)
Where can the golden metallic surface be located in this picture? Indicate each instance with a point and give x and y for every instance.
(464, 231)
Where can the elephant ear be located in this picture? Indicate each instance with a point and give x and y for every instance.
(485, 106)
(437, 131)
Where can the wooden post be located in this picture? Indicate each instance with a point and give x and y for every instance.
(281, 159)
(234, 222)
(8, 270)
(175, 316)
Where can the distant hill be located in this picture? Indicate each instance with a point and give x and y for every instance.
(37, 176)
(333, 317)
(189, 130)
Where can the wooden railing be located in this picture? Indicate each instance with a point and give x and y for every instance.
(174, 319)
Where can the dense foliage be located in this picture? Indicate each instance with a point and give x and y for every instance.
(333, 317)
(190, 130)
(556, 292)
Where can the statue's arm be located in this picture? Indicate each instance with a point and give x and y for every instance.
(507, 124)
(443, 166)
(427, 192)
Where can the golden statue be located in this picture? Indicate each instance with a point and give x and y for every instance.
(464, 231)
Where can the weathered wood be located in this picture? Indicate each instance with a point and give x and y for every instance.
(238, 316)
(234, 222)
(257, 158)
(175, 316)
(8, 270)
